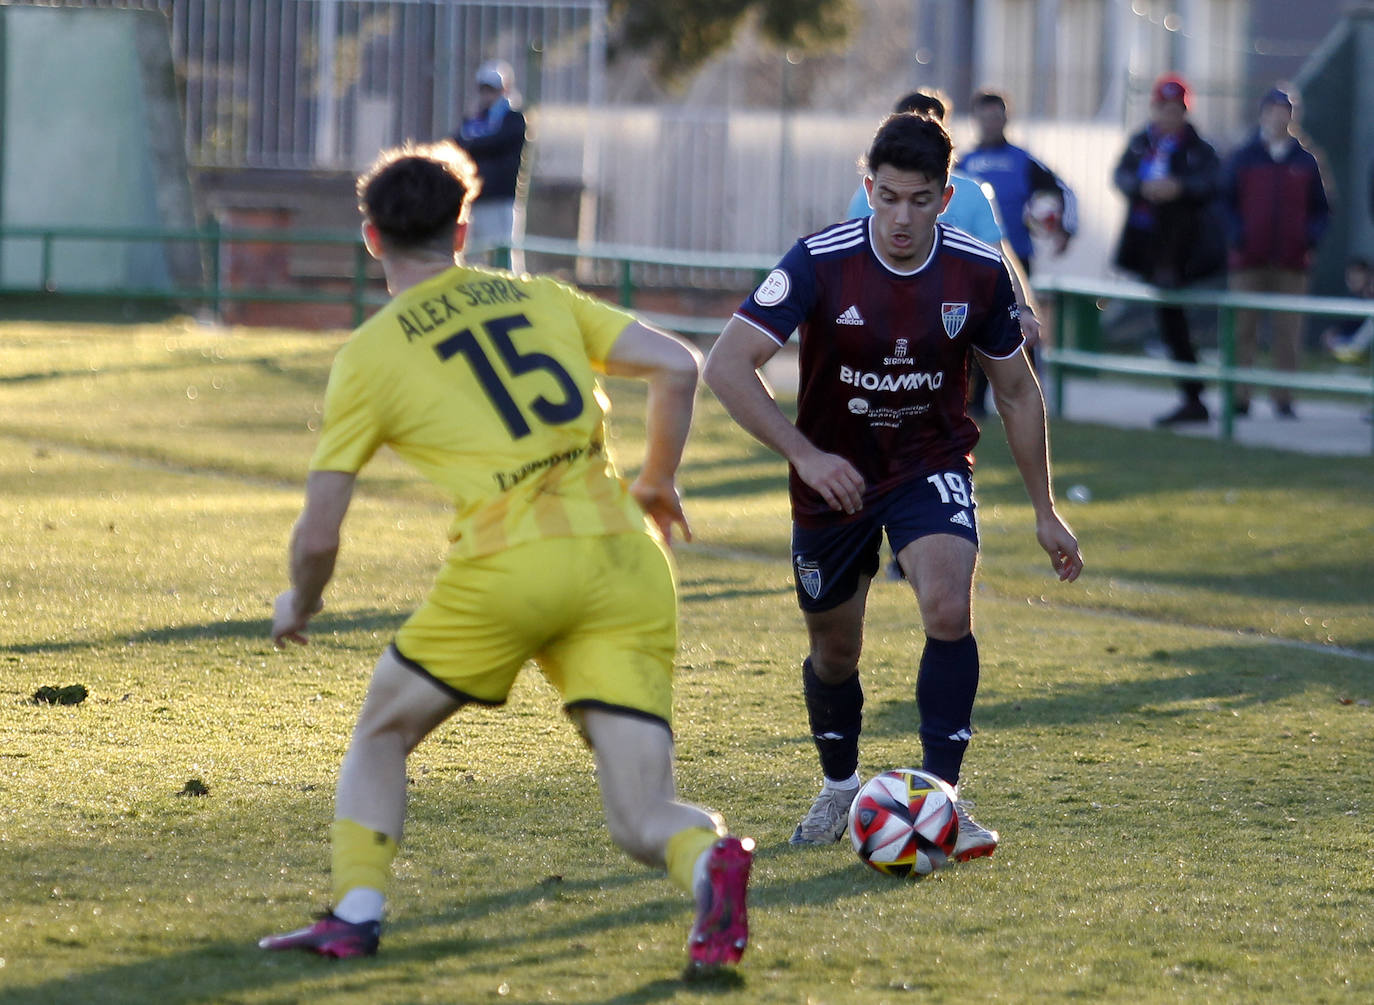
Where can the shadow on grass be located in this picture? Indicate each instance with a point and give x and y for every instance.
(1232, 677)
(705, 487)
(258, 629)
(1294, 582)
(305, 375)
(220, 970)
(712, 593)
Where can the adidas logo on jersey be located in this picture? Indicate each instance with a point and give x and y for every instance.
(850, 317)
(961, 518)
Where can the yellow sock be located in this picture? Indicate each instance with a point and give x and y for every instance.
(684, 848)
(361, 857)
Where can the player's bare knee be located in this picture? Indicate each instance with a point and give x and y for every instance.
(947, 617)
(835, 666)
(377, 728)
(390, 722)
(835, 656)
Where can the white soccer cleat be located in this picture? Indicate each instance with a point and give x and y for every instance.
(827, 819)
(975, 840)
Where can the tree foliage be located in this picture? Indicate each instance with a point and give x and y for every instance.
(682, 34)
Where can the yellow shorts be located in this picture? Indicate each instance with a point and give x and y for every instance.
(597, 614)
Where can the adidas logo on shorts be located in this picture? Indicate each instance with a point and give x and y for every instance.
(961, 518)
(850, 317)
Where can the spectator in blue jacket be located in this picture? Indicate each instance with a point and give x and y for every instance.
(1277, 211)
(1027, 193)
(1016, 177)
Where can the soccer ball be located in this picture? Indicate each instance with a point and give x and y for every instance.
(1044, 214)
(903, 823)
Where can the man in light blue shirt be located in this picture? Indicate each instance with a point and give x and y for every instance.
(971, 209)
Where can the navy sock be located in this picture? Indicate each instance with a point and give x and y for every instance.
(945, 688)
(836, 715)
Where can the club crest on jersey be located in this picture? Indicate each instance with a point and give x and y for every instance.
(809, 575)
(774, 289)
(953, 316)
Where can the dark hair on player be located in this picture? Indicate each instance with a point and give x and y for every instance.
(910, 142)
(984, 98)
(924, 102)
(415, 194)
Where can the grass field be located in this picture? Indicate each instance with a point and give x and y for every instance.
(1176, 749)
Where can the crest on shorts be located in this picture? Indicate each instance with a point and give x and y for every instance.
(808, 575)
(953, 317)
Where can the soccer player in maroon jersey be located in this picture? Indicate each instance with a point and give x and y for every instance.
(887, 311)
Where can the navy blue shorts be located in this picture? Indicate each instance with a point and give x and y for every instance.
(828, 561)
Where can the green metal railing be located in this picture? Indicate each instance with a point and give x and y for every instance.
(1078, 339)
(212, 239)
(1077, 318)
(210, 242)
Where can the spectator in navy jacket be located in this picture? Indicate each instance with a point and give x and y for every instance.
(1174, 231)
(1278, 212)
(494, 137)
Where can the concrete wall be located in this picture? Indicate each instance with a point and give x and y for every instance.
(92, 136)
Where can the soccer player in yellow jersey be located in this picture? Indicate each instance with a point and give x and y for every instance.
(487, 383)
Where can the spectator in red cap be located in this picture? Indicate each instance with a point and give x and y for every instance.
(1278, 212)
(1174, 232)
(1172, 87)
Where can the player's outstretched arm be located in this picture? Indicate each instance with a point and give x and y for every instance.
(672, 368)
(314, 547)
(1022, 408)
(732, 372)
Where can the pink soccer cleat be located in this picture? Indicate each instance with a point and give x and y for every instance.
(330, 936)
(722, 927)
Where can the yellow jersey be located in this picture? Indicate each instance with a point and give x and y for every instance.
(486, 382)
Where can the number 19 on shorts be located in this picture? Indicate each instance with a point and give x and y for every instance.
(953, 488)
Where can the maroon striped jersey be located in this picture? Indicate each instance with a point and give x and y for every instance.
(884, 354)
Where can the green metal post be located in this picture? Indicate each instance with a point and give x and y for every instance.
(1226, 340)
(627, 286)
(1060, 330)
(1371, 402)
(213, 232)
(45, 282)
(359, 282)
(1088, 324)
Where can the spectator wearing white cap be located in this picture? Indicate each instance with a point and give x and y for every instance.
(494, 137)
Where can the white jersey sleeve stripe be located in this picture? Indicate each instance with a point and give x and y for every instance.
(972, 246)
(825, 249)
(842, 235)
(967, 239)
(754, 324)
